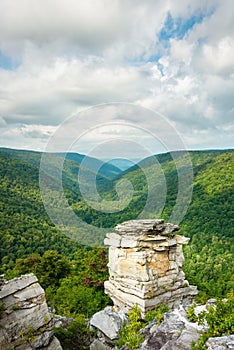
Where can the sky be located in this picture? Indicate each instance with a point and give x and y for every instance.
(60, 57)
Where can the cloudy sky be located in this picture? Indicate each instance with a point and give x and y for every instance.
(59, 57)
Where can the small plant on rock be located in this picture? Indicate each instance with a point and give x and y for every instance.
(220, 320)
(129, 334)
(15, 307)
(157, 313)
(2, 308)
(76, 336)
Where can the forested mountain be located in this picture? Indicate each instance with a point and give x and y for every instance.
(105, 170)
(209, 221)
(25, 227)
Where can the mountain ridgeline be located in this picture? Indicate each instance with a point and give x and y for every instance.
(25, 227)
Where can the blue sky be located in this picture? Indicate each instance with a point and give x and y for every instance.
(175, 58)
(173, 28)
(6, 62)
(178, 27)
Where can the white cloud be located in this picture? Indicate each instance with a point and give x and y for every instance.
(89, 26)
(26, 136)
(74, 54)
(50, 93)
(217, 58)
(2, 122)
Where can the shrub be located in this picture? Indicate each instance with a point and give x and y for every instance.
(157, 313)
(220, 320)
(129, 334)
(76, 336)
(2, 308)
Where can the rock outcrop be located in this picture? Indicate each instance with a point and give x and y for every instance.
(145, 266)
(221, 343)
(25, 322)
(175, 332)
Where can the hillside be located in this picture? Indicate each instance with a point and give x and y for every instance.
(105, 170)
(209, 221)
(25, 227)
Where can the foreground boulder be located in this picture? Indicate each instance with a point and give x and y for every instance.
(25, 322)
(108, 322)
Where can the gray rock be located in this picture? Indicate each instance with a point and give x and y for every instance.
(108, 322)
(43, 340)
(113, 239)
(54, 345)
(138, 226)
(61, 321)
(174, 333)
(221, 343)
(26, 322)
(17, 284)
(98, 345)
(185, 340)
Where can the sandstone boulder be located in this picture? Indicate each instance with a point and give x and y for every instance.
(145, 265)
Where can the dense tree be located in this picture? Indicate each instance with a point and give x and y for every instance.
(25, 227)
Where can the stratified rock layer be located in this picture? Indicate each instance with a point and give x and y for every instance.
(145, 266)
(25, 322)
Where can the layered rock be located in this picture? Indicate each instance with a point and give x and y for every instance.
(221, 343)
(26, 322)
(145, 266)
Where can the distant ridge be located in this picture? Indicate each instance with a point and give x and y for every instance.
(25, 227)
(106, 170)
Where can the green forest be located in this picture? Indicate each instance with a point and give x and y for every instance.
(72, 271)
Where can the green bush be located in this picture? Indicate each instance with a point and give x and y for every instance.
(73, 298)
(2, 308)
(191, 313)
(195, 318)
(76, 336)
(157, 313)
(220, 320)
(129, 334)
